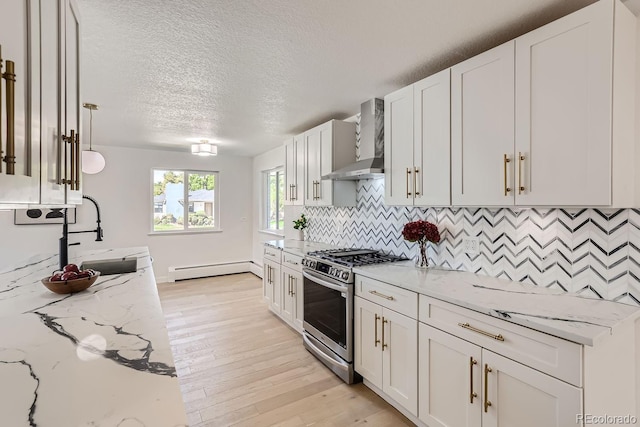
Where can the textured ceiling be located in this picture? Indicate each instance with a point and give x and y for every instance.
(249, 73)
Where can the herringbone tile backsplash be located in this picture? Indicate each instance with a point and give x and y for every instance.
(595, 252)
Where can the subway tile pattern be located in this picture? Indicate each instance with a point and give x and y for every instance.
(594, 252)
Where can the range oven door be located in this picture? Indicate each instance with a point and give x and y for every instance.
(328, 312)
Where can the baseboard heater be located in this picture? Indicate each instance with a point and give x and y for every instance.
(207, 270)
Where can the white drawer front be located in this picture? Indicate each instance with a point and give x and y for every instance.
(292, 261)
(552, 355)
(393, 297)
(272, 254)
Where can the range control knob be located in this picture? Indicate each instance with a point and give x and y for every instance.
(345, 275)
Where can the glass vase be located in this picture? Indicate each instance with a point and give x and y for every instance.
(422, 261)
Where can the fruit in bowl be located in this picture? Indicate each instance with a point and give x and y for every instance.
(70, 280)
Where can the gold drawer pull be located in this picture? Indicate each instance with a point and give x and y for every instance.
(408, 175)
(378, 294)
(466, 325)
(375, 328)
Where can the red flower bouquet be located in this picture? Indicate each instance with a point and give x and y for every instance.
(422, 232)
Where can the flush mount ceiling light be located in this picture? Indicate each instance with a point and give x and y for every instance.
(204, 148)
(92, 161)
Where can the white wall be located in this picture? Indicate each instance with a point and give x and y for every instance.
(123, 190)
(263, 162)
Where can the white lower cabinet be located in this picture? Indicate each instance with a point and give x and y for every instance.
(291, 297)
(386, 345)
(282, 285)
(464, 385)
(271, 286)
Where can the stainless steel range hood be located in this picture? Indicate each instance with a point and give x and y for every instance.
(371, 160)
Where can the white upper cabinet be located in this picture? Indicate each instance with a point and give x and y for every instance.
(294, 171)
(548, 119)
(43, 40)
(418, 144)
(398, 147)
(19, 102)
(432, 140)
(328, 147)
(70, 109)
(564, 111)
(482, 128)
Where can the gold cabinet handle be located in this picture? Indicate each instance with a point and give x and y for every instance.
(487, 402)
(10, 157)
(293, 286)
(466, 325)
(384, 322)
(293, 192)
(77, 151)
(506, 187)
(72, 147)
(415, 182)
(472, 394)
(520, 186)
(408, 174)
(378, 294)
(1, 75)
(375, 329)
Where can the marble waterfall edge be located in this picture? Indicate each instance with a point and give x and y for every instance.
(98, 357)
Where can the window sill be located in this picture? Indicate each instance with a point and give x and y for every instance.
(179, 232)
(271, 233)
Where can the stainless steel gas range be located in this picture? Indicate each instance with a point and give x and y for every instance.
(328, 305)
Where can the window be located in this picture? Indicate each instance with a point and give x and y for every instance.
(173, 201)
(274, 200)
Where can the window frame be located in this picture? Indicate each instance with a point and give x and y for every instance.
(186, 203)
(266, 200)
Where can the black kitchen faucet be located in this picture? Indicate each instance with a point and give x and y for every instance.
(64, 240)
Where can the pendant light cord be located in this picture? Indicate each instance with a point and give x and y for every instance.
(90, 129)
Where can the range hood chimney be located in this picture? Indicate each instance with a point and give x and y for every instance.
(370, 163)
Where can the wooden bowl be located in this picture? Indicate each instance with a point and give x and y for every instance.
(70, 286)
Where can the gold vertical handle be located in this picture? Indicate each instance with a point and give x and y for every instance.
(472, 394)
(520, 186)
(78, 168)
(415, 181)
(319, 190)
(506, 187)
(293, 286)
(384, 322)
(487, 402)
(1, 75)
(293, 192)
(290, 291)
(375, 329)
(315, 191)
(408, 174)
(269, 274)
(10, 157)
(72, 147)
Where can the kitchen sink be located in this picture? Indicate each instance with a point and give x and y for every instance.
(112, 266)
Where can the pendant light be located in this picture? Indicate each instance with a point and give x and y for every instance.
(92, 161)
(204, 148)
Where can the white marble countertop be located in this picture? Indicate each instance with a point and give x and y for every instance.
(298, 247)
(100, 357)
(565, 315)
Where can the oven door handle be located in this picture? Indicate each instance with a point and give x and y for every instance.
(321, 354)
(324, 282)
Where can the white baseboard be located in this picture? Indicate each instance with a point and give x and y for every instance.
(256, 269)
(209, 270)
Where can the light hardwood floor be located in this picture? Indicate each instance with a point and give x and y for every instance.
(239, 365)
